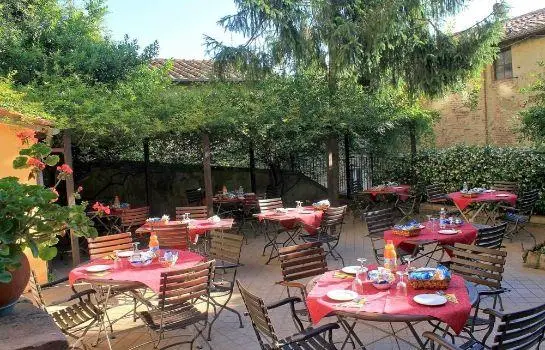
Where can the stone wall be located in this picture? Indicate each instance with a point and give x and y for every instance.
(496, 121)
(168, 183)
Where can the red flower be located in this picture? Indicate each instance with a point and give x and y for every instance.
(101, 208)
(79, 189)
(27, 136)
(35, 162)
(65, 168)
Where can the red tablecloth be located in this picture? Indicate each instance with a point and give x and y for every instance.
(148, 275)
(467, 235)
(385, 302)
(196, 226)
(497, 196)
(310, 221)
(401, 190)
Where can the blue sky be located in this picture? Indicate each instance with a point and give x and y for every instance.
(179, 25)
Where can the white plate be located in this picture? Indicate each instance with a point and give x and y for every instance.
(307, 212)
(503, 195)
(489, 191)
(98, 268)
(342, 295)
(448, 232)
(430, 299)
(125, 254)
(351, 270)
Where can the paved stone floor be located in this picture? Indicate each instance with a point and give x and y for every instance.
(527, 289)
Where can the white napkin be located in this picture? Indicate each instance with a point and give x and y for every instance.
(214, 218)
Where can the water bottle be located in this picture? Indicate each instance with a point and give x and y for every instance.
(464, 189)
(442, 218)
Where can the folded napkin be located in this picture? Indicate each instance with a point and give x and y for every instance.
(342, 275)
(214, 218)
(358, 302)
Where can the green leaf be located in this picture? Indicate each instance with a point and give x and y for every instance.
(5, 277)
(40, 149)
(47, 253)
(20, 162)
(52, 160)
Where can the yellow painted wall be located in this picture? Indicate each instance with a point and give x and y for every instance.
(10, 146)
(499, 126)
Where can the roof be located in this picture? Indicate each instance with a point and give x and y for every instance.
(524, 26)
(16, 117)
(191, 71)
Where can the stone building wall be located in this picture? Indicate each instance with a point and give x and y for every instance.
(494, 120)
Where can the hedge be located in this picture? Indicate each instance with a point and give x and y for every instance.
(476, 165)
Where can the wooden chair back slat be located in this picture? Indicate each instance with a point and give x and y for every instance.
(173, 236)
(491, 237)
(106, 245)
(435, 191)
(266, 205)
(526, 202)
(258, 314)
(182, 286)
(226, 246)
(520, 330)
(302, 261)
(479, 265)
(200, 212)
(379, 221)
(134, 217)
(507, 186)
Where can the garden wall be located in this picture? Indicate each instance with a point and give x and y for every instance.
(168, 183)
(477, 166)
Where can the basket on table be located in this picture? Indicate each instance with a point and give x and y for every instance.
(407, 232)
(430, 278)
(470, 194)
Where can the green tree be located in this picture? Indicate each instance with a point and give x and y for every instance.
(533, 117)
(375, 42)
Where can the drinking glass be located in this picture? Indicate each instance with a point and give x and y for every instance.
(409, 260)
(298, 205)
(433, 223)
(401, 286)
(357, 284)
(428, 223)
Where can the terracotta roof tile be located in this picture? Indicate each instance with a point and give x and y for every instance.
(189, 71)
(525, 25)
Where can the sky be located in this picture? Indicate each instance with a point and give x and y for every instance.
(179, 25)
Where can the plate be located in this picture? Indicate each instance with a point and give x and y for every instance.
(342, 295)
(98, 268)
(502, 195)
(307, 212)
(124, 254)
(448, 232)
(430, 299)
(351, 270)
(489, 191)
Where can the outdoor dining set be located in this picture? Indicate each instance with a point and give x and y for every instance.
(444, 271)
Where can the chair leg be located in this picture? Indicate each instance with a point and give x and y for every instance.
(217, 314)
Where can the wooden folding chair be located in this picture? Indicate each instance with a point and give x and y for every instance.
(436, 194)
(521, 330)
(491, 237)
(225, 249)
(330, 230)
(272, 230)
(309, 338)
(105, 247)
(484, 268)
(74, 320)
(194, 196)
(133, 218)
(200, 212)
(173, 236)
(507, 186)
(180, 293)
(520, 216)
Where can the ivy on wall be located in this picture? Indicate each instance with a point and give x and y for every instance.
(478, 166)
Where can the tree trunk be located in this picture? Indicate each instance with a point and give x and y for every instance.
(347, 165)
(67, 145)
(333, 170)
(146, 171)
(252, 168)
(207, 171)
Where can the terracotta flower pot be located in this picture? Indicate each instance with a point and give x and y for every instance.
(10, 292)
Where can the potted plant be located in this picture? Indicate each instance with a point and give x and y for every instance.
(30, 217)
